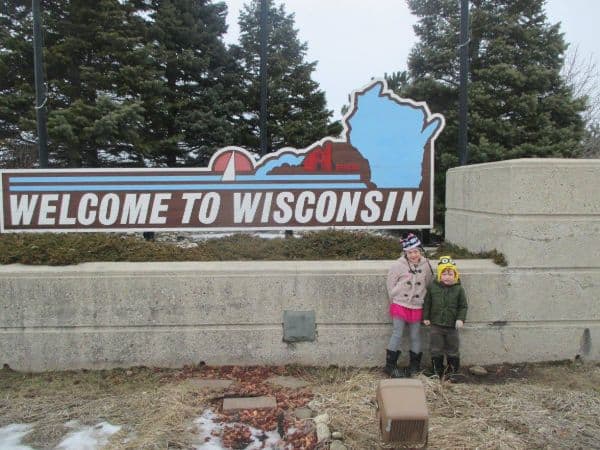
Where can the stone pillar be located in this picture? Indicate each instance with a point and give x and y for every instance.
(537, 212)
(544, 216)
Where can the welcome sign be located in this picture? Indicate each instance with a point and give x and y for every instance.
(379, 174)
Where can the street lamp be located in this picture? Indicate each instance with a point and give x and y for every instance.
(40, 89)
(464, 80)
(263, 76)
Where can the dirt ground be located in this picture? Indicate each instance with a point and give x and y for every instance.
(529, 406)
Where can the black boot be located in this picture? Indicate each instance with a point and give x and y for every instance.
(453, 366)
(437, 365)
(391, 364)
(414, 366)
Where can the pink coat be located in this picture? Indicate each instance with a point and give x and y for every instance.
(407, 283)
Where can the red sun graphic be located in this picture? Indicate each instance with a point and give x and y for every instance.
(241, 162)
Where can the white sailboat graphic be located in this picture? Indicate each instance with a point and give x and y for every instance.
(229, 173)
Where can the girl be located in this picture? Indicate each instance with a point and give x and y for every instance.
(407, 282)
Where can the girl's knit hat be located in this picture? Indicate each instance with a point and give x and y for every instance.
(410, 241)
(444, 263)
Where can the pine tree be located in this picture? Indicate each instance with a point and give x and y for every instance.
(519, 106)
(129, 82)
(297, 114)
(86, 48)
(190, 100)
(16, 85)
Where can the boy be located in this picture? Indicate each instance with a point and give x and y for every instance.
(445, 310)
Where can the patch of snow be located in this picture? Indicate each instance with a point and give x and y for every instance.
(207, 424)
(11, 435)
(87, 437)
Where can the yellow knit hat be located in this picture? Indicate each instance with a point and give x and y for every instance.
(444, 263)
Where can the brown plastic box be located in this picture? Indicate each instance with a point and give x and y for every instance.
(402, 412)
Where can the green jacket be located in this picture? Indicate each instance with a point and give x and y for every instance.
(444, 305)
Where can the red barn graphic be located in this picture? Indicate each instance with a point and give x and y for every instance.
(319, 159)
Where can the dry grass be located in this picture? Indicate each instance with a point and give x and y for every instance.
(548, 407)
(154, 413)
(521, 407)
(75, 248)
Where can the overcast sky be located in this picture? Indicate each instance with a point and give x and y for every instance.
(355, 40)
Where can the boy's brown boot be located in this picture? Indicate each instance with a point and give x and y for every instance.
(453, 366)
(437, 365)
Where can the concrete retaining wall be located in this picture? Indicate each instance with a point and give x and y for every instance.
(544, 216)
(101, 315)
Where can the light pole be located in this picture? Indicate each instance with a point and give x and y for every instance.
(40, 89)
(464, 80)
(264, 32)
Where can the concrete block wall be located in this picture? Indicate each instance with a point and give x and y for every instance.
(103, 315)
(544, 216)
(537, 212)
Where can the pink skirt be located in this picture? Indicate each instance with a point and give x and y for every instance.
(406, 314)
